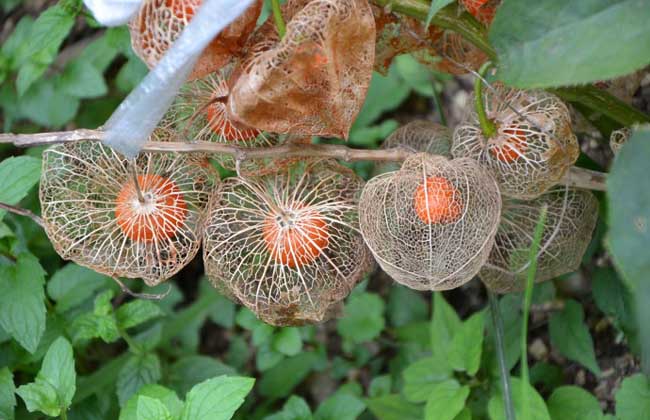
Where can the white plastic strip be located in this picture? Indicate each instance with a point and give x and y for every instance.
(113, 12)
(137, 116)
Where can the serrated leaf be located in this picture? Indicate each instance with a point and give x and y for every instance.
(536, 405)
(151, 409)
(364, 318)
(422, 376)
(55, 384)
(294, 409)
(16, 41)
(22, 301)
(216, 399)
(446, 401)
(280, 380)
(405, 306)
(190, 370)
(633, 398)
(573, 403)
(467, 345)
(570, 336)
(287, 341)
(394, 407)
(82, 80)
(137, 312)
(553, 43)
(444, 324)
(35, 104)
(139, 370)
(18, 175)
(90, 325)
(166, 396)
(72, 285)
(7, 396)
(340, 406)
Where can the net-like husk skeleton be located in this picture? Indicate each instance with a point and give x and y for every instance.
(160, 22)
(287, 245)
(533, 147)
(570, 221)
(429, 247)
(93, 217)
(482, 10)
(618, 138)
(418, 136)
(451, 53)
(314, 80)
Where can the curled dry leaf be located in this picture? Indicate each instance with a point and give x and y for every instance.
(431, 225)
(287, 245)
(618, 138)
(94, 216)
(532, 148)
(314, 80)
(570, 222)
(160, 22)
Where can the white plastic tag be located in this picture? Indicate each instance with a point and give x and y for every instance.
(137, 116)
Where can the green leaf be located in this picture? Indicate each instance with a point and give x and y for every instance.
(72, 285)
(191, 370)
(223, 312)
(364, 318)
(570, 336)
(415, 75)
(446, 401)
(294, 409)
(510, 307)
(166, 396)
(573, 403)
(385, 93)
(137, 312)
(380, 386)
(151, 409)
(22, 301)
(35, 104)
(267, 357)
(405, 306)
(18, 175)
(280, 380)
(421, 377)
(18, 40)
(633, 398)
(536, 406)
(216, 399)
(82, 80)
(287, 341)
(130, 75)
(340, 406)
(553, 43)
(55, 384)
(90, 325)
(7, 396)
(101, 52)
(613, 298)
(394, 407)
(436, 5)
(139, 370)
(467, 345)
(444, 324)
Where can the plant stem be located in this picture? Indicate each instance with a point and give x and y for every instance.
(439, 108)
(279, 20)
(487, 126)
(497, 323)
(64, 413)
(528, 297)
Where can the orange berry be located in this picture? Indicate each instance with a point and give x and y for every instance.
(295, 239)
(513, 146)
(159, 217)
(222, 126)
(437, 201)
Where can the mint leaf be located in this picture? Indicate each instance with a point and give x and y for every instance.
(633, 398)
(394, 407)
(364, 318)
(139, 370)
(287, 341)
(191, 370)
(72, 285)
(216, 399)
(7, 396)
(22, 301)
(467, 345)
(422, 376)
(82, 80)
(18, 175)
(166, 396)
(151, 409)
(294, 409)
(573, 403)
(570, 336)
(340, 406)
(137, 312)
(444, 324)
(447, 400)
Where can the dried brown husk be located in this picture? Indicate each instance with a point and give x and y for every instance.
(313, 81)
(534, 145)
(431, 256)
(160, 22)
(79, 190)
(453, 54)
(618, 138)
(571, 218)
(288, 289)
(483, 10)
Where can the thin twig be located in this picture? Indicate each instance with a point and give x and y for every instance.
(147, 296)
(575, 177)
(22, 212)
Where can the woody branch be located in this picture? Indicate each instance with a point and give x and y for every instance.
(576, 177)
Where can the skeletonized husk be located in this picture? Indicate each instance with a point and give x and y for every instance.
(570, 222)
(532, 149)
(249, 253)
(431, 256)
(79, 191)
(618, 138)
(160, 22)
(451, 53)
(313, 81)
